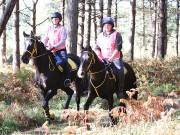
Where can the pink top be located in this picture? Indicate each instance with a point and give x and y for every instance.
(107, 44)
(55, 38)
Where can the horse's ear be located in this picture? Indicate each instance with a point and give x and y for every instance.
(32, 34)
(38, 37)
(88, 47)
(24, 34)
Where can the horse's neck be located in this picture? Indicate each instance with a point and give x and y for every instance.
(42, 63)
(98, 71)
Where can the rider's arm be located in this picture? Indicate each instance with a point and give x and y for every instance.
(119, 41)
(63, 38)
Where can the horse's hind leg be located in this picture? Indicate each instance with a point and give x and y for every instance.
(69, 92)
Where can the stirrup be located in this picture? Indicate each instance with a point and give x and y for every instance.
(67, 82)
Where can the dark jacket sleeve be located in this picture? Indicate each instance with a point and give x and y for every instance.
(119, 41)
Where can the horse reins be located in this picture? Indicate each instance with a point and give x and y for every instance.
(92, 61)
(35, 51)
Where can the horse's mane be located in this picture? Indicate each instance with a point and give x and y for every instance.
(89, 49)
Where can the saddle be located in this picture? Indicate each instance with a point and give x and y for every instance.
(72, 66)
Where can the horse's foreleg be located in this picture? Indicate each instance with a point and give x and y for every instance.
(79, 91)
(45, 105)
(110, 104)
(89, 101)
(78, 100)
(69, 92)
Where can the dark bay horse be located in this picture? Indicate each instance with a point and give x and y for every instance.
(48, 77)
(103, 78)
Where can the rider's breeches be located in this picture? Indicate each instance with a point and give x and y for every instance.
(60, 57)
(120, 70)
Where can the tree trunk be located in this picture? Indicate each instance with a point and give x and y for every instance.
(81, 26)
(87, 23)
(3, 47)
(72, 25)
(133, 23)
(5, 17)
(16, 49)
(63, 7)
(94, 20)
(154, 24)
(177, 29)
(101, 7)
(109, 7)
(143, 19)
(116, 13)
(162, 33)
(34, 16)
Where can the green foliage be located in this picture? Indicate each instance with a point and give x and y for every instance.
(35, 113)
(24, 75)
(9, 125)
(163, 89)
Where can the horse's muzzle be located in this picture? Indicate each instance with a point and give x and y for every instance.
(25, 59)
(81, 74)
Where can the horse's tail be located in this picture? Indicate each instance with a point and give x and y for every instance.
(84, 82)
(130, 79)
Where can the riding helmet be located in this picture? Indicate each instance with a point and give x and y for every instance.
(56, 15)
(108, 20)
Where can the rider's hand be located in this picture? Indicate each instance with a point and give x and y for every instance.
(110, 60)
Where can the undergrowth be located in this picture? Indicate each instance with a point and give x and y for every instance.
(20, 104)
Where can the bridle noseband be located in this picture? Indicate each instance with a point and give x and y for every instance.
(35, 50)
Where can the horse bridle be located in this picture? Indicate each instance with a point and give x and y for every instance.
(35, 50)
(93, 61)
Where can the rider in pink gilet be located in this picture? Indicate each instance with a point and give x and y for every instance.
(108, 48)
(55, 40)
(107, 45)
(56, 37)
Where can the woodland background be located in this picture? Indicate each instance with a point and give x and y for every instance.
(150, 31)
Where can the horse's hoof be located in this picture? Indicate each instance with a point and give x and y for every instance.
(52, 116)
(46, 124)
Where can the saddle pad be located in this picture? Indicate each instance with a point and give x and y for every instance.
(72, 64)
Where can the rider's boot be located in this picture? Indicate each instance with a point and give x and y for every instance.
(121, 93)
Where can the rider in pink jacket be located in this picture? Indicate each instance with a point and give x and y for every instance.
(108, 48)
(54, 40)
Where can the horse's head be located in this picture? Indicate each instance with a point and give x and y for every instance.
(87, 59)
(30, 44)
